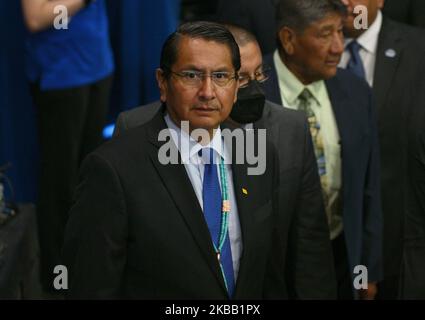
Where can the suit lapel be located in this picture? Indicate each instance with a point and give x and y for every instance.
(339, 99)
(180, 188)
(261, 124)
(271, 86)
(245, 219)
(245, 196)
(389, 44)
(240, 183)
(272, 129)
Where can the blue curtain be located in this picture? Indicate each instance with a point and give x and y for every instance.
(18, 134)
(138, 29)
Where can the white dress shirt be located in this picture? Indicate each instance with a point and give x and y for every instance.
(368, 41)
(195, 165)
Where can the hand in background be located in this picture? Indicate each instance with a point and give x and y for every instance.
(370, 292)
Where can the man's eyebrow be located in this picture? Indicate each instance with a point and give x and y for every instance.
(223, 69)
(260, 66)
(197, 68)
(191, 67)
(327, 28)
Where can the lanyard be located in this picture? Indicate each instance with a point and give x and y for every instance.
(225, 211)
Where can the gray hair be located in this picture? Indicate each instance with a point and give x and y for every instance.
(299, 14)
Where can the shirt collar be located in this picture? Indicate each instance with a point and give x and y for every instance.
(368, 40)
(182, 139)
(291, 87)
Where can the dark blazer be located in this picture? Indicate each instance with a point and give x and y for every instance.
(406, 11)
(305, 235)
(392, 90)
(413, 276)
(352, 103)
(136, 229)
(256, 16)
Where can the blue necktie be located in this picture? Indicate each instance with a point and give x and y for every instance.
(355, 65)
(211, 195)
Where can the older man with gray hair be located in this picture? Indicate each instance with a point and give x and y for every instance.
(342, 121)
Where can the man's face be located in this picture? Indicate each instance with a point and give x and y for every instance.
(315, 53)
(208, 104)
(251, 59)
(372, 6)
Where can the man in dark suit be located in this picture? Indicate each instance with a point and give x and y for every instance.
(146, 224)
(343, 126)
(387, 56)
(310, 271)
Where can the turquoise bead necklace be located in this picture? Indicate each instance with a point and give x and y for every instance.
(225, 210)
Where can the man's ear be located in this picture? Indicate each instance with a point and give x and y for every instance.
(287, 38)
(162, 84)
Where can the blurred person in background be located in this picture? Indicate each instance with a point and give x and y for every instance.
(69, 66)
(342, 121)
(387, 55)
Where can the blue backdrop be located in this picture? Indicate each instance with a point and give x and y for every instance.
(137, 28)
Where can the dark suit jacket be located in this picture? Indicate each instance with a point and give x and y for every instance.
(392, 90)
(304, 234)
(136, 229)
(256, 16)
(352, 103)
(406, 11)
(413, 276)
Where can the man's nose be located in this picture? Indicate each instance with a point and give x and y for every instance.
(337, 46)
(207, 89)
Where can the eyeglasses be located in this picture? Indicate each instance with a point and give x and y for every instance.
(261, 76)
(194, 78)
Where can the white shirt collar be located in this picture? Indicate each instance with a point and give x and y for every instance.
(190, 155)
(368, 40)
